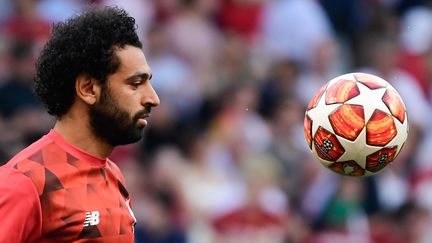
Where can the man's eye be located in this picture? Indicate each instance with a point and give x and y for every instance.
(136, 83)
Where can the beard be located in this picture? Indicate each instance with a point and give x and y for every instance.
(114, 124)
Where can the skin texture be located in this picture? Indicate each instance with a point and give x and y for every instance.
(120, 106)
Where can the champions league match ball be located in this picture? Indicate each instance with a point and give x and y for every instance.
(356, 124)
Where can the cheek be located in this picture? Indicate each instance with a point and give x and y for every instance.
(114, 103)
(133, 98)
(130, 102)
(126, 99)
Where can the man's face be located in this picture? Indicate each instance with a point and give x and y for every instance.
(119, 116)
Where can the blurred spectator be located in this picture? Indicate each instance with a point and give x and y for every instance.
(206, 190)
(293, 28)
(234, 66)
(16, 92)
(156, 226)
(261, 218)
(241, 17)
(194, 38)
(415, 35)
(158, 203)
(238, 127)
(342, 218)
(326, 63)
(173, 77)
(6, 9)
(5, 56)
(384, 228)
(55, 11)
(143, 11)
(279, 86)
(317, 188)
(286, 124)
(23, 114)
(25, 24)
(413, 223)
(416, 40)
(349, 18)
(165, 130)
(421, 176)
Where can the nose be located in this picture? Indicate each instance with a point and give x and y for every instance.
(151, 97)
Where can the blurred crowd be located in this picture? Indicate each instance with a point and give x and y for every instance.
(224, 158)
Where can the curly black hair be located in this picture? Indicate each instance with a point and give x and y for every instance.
(83, 44)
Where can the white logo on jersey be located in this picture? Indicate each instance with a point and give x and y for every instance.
(92, 218)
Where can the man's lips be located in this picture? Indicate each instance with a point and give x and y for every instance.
(142, 119)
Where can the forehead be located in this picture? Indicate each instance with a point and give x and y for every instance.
(132, 60)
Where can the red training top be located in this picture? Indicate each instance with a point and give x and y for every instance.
(54, 192)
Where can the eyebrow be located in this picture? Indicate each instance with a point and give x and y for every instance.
(144, 76)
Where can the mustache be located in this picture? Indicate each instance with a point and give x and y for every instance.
(145, 112)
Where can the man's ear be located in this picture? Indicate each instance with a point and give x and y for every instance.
(87, 89)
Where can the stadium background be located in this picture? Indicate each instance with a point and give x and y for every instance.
(224, 159)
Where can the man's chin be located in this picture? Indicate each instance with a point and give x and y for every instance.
(125, 142)
(127, 137)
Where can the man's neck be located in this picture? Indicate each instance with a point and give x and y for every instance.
(77, 132)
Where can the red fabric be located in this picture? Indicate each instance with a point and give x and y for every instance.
(80, 197)
(20, 210)
(242, 18)
(416, 66)
(27, 29)
(246, 219)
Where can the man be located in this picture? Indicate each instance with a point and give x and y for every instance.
(94, 78)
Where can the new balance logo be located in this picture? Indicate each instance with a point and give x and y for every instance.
(92, 218)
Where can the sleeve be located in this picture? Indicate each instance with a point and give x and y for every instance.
(20, 210)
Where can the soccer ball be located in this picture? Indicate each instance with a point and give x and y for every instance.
(356, 124)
